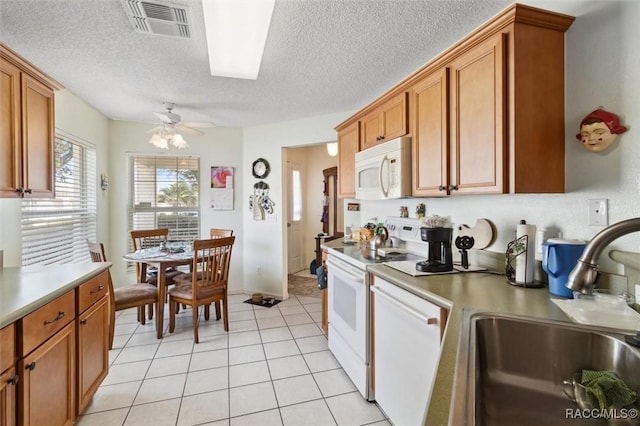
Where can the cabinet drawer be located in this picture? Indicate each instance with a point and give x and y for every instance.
(43, 323)
(92, 291)
(7, 347)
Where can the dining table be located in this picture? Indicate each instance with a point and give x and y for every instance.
(164, 257)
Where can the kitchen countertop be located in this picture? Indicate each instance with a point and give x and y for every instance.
(25, 289)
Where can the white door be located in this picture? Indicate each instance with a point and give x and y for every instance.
(294, 219)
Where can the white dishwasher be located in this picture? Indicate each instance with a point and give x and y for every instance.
(407, 332)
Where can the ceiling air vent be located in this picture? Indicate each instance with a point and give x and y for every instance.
(158, 18)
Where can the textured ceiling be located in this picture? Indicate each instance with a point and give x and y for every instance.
(321, 56)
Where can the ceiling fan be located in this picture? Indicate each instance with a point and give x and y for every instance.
(172, 127)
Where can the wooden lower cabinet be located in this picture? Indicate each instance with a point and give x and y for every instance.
(93, 359)
(8, 393)
(62, 357)
(47, 381)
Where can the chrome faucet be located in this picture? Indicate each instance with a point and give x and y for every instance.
(584, 274)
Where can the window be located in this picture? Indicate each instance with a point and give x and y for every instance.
(297, 195)
(165, 194)
(56, 230)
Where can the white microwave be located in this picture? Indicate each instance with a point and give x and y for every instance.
(383, 172)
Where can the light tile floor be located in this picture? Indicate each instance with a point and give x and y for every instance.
(272, 368)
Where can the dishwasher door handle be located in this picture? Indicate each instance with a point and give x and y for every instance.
(398, 304)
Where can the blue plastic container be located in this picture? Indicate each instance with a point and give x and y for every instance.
(559, 257)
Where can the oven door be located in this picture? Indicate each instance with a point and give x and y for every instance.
(348, 289)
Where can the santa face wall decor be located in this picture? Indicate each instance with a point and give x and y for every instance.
(599, 129)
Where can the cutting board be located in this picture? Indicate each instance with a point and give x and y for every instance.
(589, 312)
(482, 233)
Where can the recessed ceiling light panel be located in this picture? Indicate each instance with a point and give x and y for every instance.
(236, 35)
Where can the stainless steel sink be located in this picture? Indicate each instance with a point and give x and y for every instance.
(510, 370)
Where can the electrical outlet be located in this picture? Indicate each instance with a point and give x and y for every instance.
(598, 212)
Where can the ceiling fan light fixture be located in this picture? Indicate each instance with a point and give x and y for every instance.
(236, 34)
(161, 139)
(178, 141)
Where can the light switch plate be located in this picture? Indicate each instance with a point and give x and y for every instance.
(598, 212)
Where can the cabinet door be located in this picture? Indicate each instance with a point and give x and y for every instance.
(37, 138)
(430, 102)
(385, 123)
(8, 383)
(393, 118)
(47, 382)
(10, 148)
(93, 351)
(370, 130)
(478, 156)
(348, 145)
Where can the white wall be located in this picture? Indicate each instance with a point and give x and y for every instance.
(218, 147)
(263, 242)
(602, 66)
(77, 118)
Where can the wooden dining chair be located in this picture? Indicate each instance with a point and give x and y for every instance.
(150, 238)
(135, 295)
(212, 258)
(214, 233)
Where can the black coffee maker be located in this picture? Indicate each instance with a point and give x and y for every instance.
(439, 256)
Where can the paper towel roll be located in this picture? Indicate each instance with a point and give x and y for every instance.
(525, 263)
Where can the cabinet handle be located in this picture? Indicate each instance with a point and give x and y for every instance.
(31, 366)
(453, 187)
(28, 191)
(20, 191)
(441, 188)
(98, 289)
(57, 318)
(14, 380)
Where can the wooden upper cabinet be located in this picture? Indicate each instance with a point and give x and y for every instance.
(38, 137)
(348, 145)
(477, 113)
(499, 119)
(458, 125)
(486, 116)
(10, 136)
(430, 129)
(27, 128)
(387, 122)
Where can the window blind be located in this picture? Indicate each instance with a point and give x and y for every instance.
(165, 194)
(56, 230)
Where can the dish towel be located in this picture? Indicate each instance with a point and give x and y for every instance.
(609, 389)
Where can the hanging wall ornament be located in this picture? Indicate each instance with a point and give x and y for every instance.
(599, 129)
(260, 204)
